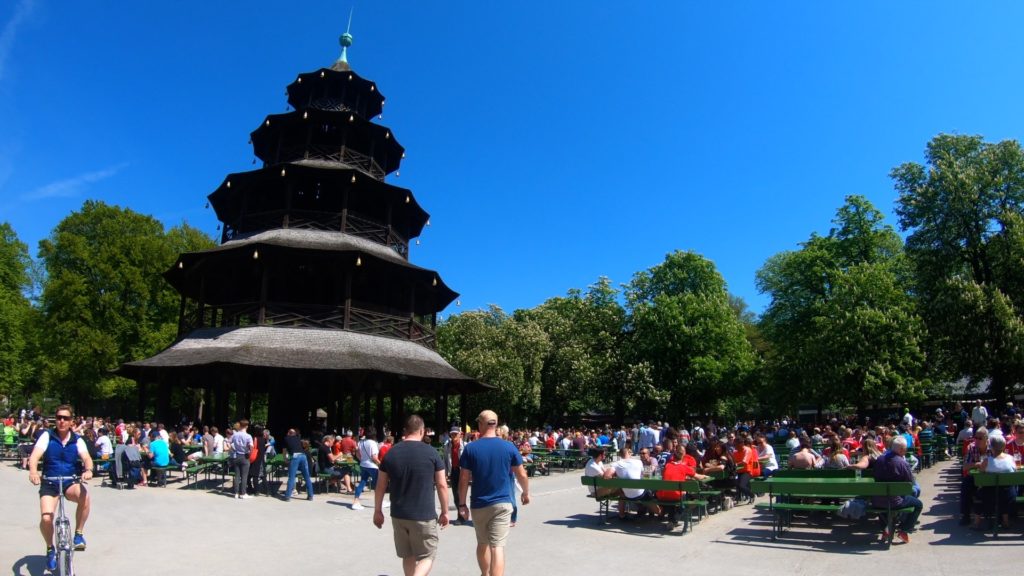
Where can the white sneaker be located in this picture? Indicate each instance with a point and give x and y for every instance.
(387, 504)
(246, 496)
(237, 496)
(358, 506)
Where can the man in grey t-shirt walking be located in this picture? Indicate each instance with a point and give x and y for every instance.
(241, 446)
(414, 471)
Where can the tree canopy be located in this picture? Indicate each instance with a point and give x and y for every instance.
(105, 301)
(963, 211)
(842, 327)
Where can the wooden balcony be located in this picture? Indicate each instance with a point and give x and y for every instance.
(283, 314)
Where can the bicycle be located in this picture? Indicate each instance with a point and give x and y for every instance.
(62, 528)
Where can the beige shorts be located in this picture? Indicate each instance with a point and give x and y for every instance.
(416, 538)
(492, 524)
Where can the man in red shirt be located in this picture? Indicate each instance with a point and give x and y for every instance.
(677, 470)
(348, 445)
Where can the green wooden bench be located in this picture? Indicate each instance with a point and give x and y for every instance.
(687, 504)
(813, 473)
(159, 474)
(997, 481)
(193, 471)
(795, 492)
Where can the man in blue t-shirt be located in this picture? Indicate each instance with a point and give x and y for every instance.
(488, 462)
(61, 450)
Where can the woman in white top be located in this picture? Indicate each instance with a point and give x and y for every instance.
(998, 462)
(369, 460)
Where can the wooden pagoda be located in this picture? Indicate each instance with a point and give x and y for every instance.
(310, 297)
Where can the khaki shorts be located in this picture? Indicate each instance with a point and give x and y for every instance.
(415, 538)
(492, 524)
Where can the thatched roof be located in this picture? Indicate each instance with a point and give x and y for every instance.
(301, 348)
(316, 240)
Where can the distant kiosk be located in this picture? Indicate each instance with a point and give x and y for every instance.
(310, 297)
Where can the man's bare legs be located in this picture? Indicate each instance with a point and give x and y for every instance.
(47, 506)
(491, 560)
(412, 567)
(80, 496)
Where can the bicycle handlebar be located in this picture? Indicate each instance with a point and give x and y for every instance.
(61, 478)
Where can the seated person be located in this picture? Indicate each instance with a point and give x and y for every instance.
(159, 453)
(998, 462)
(629, 467)
(326, 465)
(805, 458)
(677, 469)
(595, 468)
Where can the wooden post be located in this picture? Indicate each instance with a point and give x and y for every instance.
(397, 407)
(378, 416)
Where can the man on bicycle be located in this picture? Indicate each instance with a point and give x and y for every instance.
(60, 451)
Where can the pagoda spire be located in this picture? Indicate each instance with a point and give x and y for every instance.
(345, 40)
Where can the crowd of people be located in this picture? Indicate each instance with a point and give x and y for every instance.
(729, 456)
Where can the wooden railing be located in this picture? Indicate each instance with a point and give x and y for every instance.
(311, 316)
(356, 225)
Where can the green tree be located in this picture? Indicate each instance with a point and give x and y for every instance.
(104, 300)
(687, 336)
(841, 324)
(17, 325)
(502, 351)
(962, 209)
(585, 366)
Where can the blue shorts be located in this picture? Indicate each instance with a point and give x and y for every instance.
(47, 488)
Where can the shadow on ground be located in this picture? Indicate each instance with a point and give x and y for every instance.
(29, 566)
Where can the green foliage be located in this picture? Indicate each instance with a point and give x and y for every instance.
(104, 301)
(502, 351)
(688, 334)
(963, 211)
(17, 325)
(584, 368)
(842, 327)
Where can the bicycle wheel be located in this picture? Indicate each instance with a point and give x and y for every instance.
(64, 565)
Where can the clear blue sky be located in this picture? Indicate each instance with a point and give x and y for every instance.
(552, 142)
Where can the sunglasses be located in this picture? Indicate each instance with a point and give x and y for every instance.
(63, 418)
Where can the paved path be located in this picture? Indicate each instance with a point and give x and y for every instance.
(177, 531)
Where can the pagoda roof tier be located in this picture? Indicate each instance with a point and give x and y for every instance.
(257, 199)
(221, 275)
(341, 137)
(329, 89)
(304, 349)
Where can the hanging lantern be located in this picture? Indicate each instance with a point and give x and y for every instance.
(255, 254)
(207, 204)
(267, 122)
(428, 221)
(228, 184)
(359, 261)
(353, 178)
(322, 74)
(305, 115)
(350, 77)
(372, 87)
(387, 135)
(299, 81)
(283, 173)
(434, 283)
(398, 173)
(458, 302)
(417, 241)
(181, 265)
(403, 155)
(407, 198)
(351, 117)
